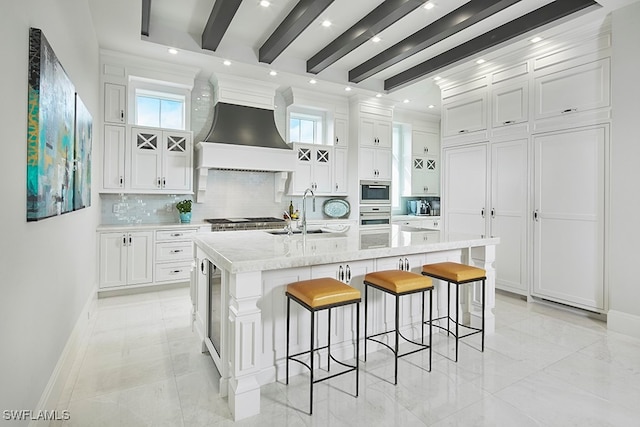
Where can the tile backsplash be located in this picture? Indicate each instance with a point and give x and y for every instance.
(230, 194)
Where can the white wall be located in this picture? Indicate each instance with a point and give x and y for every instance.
(624, 315)
(48, 267)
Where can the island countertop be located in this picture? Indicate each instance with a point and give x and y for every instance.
(244, 251)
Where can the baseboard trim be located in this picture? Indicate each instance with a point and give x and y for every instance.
(624, 323)
(77, 340)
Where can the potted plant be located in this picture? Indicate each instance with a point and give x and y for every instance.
(184, 207)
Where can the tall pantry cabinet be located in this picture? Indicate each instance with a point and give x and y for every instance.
(530, 166)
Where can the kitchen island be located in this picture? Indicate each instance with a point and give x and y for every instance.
(240, 313)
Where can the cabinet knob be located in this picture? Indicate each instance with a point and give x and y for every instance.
(482, 212)
(121, 181)
(336, 186)
(122, 115)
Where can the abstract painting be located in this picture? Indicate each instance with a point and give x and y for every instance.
(82, 157)
(50, 139)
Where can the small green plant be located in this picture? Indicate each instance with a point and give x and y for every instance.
(184, 206)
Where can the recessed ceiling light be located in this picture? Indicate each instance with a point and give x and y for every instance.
(273, 73)
(375, 39)
(536, 39)
(406, 101)
(480, 61)
(348, 88)
(436, 78)
(428, 5)
(326, 23)
(172, 51)
(227, 62)
(265, 3)
(378, 95)
(432, 106)
(313, 81)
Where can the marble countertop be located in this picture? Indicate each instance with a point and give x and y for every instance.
(244, 251)
(141, 227)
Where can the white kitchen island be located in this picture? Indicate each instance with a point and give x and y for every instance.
(245, 308)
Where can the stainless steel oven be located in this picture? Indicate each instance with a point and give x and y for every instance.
(375, 192)
(375, 216)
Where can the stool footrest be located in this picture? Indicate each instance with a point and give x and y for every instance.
(421, 345)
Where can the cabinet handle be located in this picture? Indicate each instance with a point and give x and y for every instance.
(124, 240)
(400, 265)
(341, 274)
(176, 234)
(426, 150)
(406, 264)
(337, 140)
(121, 181)
(130, 239)
(348, 273)
(508, 122)
(164, 182)
(336, 186)
(482, 212)
(569, 110)
(493, 213)
(176, 251)
(462, 131)
(122, 115)
(176, 271)
(536, 215)
(159, 183)
(202, 267)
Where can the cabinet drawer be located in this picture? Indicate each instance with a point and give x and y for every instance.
(171, 251)
(173, 271)
(177, 234)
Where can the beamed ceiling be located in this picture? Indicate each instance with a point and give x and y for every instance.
(392, 47)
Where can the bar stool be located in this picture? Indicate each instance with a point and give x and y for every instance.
(398, 283)
(316, 295)
(458, 274)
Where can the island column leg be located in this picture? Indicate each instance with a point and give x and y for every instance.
(484, 257)
(245, 341)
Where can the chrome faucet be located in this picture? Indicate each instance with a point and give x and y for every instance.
(304, 209)
(288, 223)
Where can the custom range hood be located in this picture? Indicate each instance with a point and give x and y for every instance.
(243, 136)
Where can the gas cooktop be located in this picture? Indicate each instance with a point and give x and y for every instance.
(248, 223)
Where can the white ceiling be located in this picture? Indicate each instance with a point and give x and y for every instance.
(179, 24)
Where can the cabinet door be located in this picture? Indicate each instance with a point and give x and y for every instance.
(465, 189)
(424, 143)
(383, 133)
(382, 164)
(510, 103)
(424, 176)
(585, 87)
(569, 197)
(114, 103)
(113, 155)
(367, 133)
(367, 168)
(303, 175)
(509, 195)
(113, 259)
(340, 131)
(177, 170)
(146, 159)
(323, 170)
(465, 113)
(140, 257)
(340, 175)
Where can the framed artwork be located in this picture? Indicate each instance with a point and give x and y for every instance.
(82, 156)
(51, 136)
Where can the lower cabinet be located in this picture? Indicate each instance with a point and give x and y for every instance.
(174, 255)
(126, 258)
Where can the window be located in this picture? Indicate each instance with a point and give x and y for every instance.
(306, 128)
(158, 109)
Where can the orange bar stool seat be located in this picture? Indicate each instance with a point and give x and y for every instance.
(457, 274)
(398, 283)
(316, 295)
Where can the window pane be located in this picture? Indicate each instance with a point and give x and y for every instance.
(294, 130)
(307, 131)
(147, 111)
(171, 114)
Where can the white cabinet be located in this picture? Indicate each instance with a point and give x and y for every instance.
(375, 133)
(425, 143)
(423, 165)
(161, 160)
(567, 95)
(174, 254)
(351, 272)
(115, 103)
(569, 204)
(509, 104)
(465, 113)
(375, 163)
(314, 169)
(340, 132)
(126, 258)
(340, 174)
(113, 158)
(485, 193)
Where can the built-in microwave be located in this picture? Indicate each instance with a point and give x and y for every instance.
(375, 216)
(375, 192)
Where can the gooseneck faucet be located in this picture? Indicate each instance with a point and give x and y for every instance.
(304, 209)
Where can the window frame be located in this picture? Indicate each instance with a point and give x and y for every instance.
(160, 90)
(319, 119)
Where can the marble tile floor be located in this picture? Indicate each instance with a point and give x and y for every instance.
(544, 366)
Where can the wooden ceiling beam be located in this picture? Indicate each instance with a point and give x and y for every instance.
(219, 20)
(146, 14)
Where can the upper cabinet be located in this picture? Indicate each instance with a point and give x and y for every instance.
(115, 96)
(314, 169)
(465, 113)
(375, 133)
(340, 133)
(425, 143)
(510, 105)
(423, 162)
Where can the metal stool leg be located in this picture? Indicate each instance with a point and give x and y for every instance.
(430, 326)
(457, 317)
(311, 363)
(357, 347)
(483, 301)
(329, 343)
(397, 347)
(288, 310)
(366, 305)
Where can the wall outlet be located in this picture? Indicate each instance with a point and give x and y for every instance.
(168, 207)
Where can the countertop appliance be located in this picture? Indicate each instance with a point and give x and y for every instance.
(248, 223)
